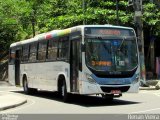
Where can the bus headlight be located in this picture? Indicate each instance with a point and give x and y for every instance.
(89, 78)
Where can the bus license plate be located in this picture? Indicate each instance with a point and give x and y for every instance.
(115, 91)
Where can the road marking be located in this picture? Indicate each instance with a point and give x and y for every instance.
(146, 110)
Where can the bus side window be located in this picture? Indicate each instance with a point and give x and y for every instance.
(52, 49)
(33, 52)
(25, 53)
(63, 47)
(11, 56)
(42, 50)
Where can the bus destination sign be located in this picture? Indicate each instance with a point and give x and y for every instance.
(109, 31)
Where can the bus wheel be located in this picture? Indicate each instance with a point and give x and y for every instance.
(108, 97)
(26, 89)
(25, 86)
(64, 92)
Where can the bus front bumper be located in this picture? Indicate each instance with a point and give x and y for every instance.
(94, 88)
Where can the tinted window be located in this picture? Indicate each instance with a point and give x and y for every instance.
(63, 48)
(52, 49)
(25, 53)
(42, 50)
(33, 52)
(12, 56)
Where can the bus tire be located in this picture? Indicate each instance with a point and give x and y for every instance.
(26, 89)
(108, 97)
(65, 95)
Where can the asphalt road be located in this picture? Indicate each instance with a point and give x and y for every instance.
(146, 101)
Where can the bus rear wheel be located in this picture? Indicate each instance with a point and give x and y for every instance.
(25, 86)
(26, 89)
(63, 91)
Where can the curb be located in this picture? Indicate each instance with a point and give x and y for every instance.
(13, 106)
(147, 88)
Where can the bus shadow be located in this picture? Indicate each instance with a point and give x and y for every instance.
(94, 101)
(81, 100)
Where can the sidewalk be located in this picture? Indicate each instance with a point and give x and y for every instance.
(9, 100)
(4, 83)
(147, 88)
(152, 85)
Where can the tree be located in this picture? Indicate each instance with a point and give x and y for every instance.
(11, 27)
(18, 17)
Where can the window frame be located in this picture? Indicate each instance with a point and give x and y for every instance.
(51, 47)
(33, 52)
(25, 53)
(63, 46)
(42, 49)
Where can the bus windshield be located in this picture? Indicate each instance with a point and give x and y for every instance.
(111, 54)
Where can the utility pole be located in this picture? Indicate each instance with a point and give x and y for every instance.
(137, 4)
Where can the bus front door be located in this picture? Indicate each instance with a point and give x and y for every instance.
(17, 67)
(74, 65)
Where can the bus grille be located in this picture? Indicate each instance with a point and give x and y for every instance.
(122, 89)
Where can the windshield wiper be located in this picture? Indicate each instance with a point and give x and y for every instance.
(119, 48)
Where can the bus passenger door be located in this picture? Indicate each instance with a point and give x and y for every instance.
(74, 65)
(17, 67)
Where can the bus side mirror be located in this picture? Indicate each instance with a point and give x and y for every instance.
(83, 47)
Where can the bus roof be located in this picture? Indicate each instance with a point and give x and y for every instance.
(55, 33)
(106, 25)
(23, 42)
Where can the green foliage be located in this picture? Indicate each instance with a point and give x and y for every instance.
(11, 13)
(18, 16)
(151, 14)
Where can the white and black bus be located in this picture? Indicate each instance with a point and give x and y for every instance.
(86, 59)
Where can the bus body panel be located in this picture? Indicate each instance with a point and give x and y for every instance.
(11, 75)
(44, 75)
